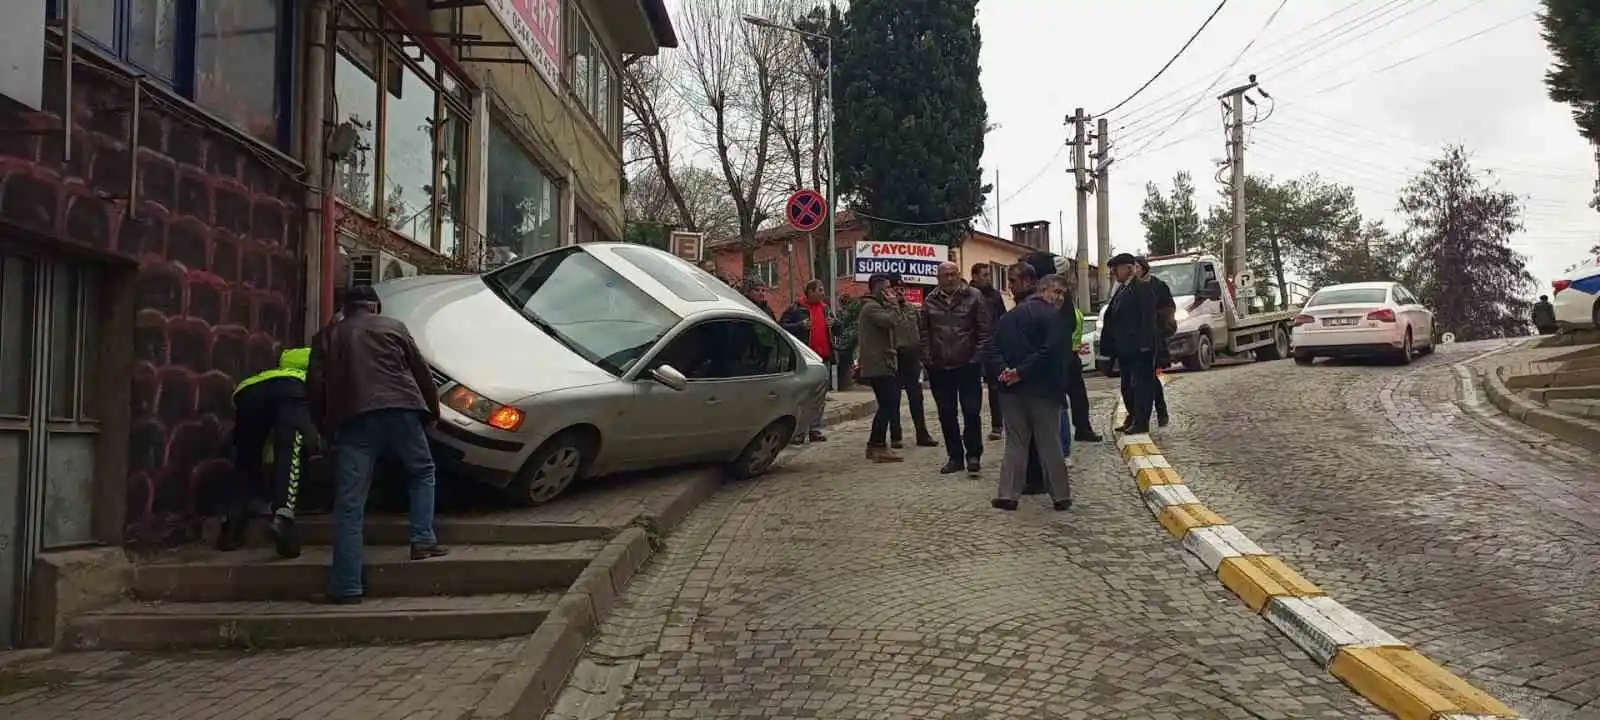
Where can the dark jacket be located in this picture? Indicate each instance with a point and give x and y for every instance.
(363, 363)
(797, 320)
(1166, 309)
(1544, 314)
(875, 338)
(955, 327)
(994, 302)
(906, 336)
(1130, 326)
(1030, 340)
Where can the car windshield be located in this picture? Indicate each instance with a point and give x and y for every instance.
(1349, 296)
(584, 305)
(1179, 277)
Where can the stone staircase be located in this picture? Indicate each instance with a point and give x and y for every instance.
(1559, 394)
(500, 580)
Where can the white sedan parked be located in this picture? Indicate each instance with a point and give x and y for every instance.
(1577, 295)
(1370, 319)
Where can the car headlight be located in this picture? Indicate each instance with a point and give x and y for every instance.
(463, 400)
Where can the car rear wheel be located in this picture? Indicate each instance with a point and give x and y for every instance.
(551, 469)
(1406, 350)
(762, 451)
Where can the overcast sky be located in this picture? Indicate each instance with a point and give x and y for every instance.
(1478, 81)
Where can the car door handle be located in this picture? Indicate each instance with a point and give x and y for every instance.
(713, 401)
(772, 396)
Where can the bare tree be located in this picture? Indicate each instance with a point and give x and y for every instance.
(705, 205)
(732, 85)
(649, 102)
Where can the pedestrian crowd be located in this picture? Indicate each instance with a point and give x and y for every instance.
(963, 339)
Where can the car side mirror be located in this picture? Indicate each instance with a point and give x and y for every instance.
(1212, 290)
(669, 376)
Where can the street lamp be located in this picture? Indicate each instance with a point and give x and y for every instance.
(827, 40)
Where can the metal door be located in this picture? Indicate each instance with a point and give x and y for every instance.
(49, 419)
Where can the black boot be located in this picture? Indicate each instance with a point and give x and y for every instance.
(231, 536)
(285, 537)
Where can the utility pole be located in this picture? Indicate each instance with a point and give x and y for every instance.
(1102, 208)
(998, 228)
(1080, 170)
(1234, 101)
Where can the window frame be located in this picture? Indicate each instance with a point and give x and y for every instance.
(786, 364)
(766, 271)
(185, 79)
(500, 122)
(446, 103)
(1000, 277)
(844, 262)
(611, 126)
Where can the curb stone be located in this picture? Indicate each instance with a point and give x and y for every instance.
(549, 656)
(1584, 433)
(529, 689)
(1370, 661)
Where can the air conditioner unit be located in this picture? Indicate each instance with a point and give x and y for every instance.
(376, 266)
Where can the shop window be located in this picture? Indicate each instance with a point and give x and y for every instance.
(524, 216)
(232, 57)
(407, 169)
(594, 78)
(231, 78)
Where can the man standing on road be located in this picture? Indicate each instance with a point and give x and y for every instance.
(810, 320)
(955, 327)
(1544, 316)
(372, 394)
(909, 368)
(1130, 335)
(878, 358)
(1080, 427)
(1166, 325)
(1028, 346)
(996, 305)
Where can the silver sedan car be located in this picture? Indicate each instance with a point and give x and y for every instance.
(598, 358)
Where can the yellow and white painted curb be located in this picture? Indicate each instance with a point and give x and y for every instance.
(1375, 664)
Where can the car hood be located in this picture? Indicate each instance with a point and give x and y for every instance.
(467, 332)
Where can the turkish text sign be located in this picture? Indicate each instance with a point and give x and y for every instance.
(535, 26)
(917, 263)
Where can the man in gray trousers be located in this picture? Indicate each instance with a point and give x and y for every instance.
(1029, 348)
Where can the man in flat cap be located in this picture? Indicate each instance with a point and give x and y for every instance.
(1130, 335)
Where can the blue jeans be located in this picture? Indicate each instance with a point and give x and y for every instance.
(1066, 431)
(357, 446)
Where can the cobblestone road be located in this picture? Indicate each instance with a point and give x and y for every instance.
(834, 589)
(1471, 537)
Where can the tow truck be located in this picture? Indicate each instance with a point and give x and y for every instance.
(1213, 320)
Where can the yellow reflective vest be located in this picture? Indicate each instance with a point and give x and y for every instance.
(292, 363)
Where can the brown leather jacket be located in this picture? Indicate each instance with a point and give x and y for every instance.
(955, 326)
(363, 363)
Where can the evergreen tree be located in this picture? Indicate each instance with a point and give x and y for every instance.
(1572, 30)
(1171, 222)
(1465, 269)
(912, 115)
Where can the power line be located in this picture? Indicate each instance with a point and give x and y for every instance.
(1416, 57)
(1174, 59)
(1219, 78)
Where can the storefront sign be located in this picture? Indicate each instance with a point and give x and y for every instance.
(917, 263)
(535, 26)
(688, 245)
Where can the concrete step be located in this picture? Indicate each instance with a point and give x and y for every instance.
(143, 625)
(1576, 392)
(1556, 378)
(255, 574)
(1578, 407)
(497, 528)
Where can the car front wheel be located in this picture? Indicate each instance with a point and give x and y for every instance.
(558, 463)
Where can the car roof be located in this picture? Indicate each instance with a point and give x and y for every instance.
(1361, 286)
(680, 286)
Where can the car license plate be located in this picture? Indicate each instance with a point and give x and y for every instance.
(1340, 322)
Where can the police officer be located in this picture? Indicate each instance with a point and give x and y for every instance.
(270, 406)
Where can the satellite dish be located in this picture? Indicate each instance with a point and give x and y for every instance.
(1447, 338)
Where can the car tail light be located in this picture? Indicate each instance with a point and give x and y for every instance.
(1303, 320)
(1381, 315)
(1560, 285)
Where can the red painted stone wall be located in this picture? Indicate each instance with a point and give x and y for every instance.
(216, 235)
